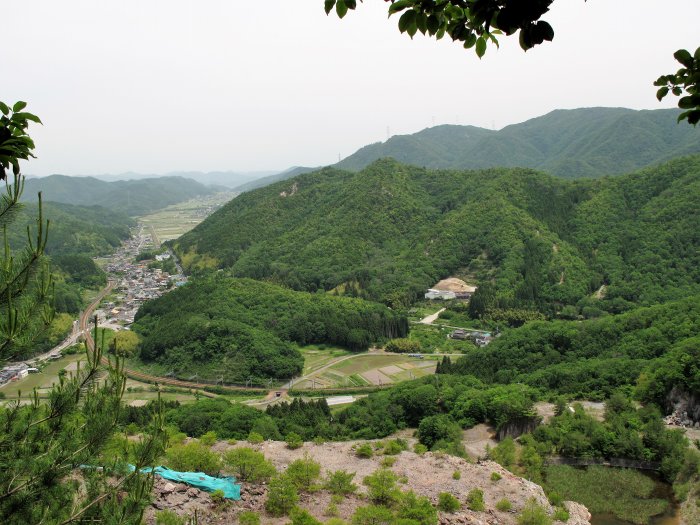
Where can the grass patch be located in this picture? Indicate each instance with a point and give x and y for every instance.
(625, 493)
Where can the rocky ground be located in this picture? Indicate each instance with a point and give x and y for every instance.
(427, 475)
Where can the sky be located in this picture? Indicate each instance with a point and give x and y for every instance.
(157, 86)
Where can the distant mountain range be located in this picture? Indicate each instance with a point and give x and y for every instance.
(132, 197)
(587, 142)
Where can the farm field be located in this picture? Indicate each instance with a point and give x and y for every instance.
(173, 221)
(368, 369)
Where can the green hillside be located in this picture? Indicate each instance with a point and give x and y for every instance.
(391, 231)
(588, 142)
(132, 197)
(218, 320)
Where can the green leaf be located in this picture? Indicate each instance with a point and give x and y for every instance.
(329, 5)
(480, 46)
(422, 22)
(661, 93)
(677, 91)
(684, 57)
(433, 24)
(4, 108)
(341, 8)
(686, 103)
(19, 106)
(407, 19)
(399, 6)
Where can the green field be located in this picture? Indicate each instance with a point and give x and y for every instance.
(173, 221)
(335, 368)
(318, 356)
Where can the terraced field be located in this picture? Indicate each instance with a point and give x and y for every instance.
(374, 368)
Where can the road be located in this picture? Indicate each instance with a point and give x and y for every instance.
(430, 319)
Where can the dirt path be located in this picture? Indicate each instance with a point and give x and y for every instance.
(430, 319)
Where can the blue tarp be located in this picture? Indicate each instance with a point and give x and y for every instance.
(200, 480)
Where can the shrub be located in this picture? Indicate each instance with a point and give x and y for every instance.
(456, 475)
(475, 500)
(340, 482)
(504, 453)
(420, 448)
(218, 496)
(336, 521)
(372, 515)
(388, 462)
(208, 439)
(302, 517)
(255, 439)
(332, 510)
(294, 441)
(447, 502)
(381, 487)
(560, 514)
(319, 440)
(555, 499)
(282, 496)
(395, 446)
(168, 517)
(534, 514)
(249, 465)
(248, 517)
(504, 505)
(495, 476)
(193, 457)
(364, 450)
(416, 509)
(303, 473)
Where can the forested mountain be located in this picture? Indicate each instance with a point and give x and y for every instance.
(76, 235)
(391, 231)
(217, 320)
(266, 181)
(587, 142)
(132, 197)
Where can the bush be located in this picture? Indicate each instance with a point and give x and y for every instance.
(331, 511)
(294, 441)
(248, 517)
(560, 514)
(495, 476)
(420, 449)
(249, 465)
(416, 510)
(303, 473)
(447, 502)
(255, 439)
(364, 450)
(302, 517)
(372, 515)
(388, 462)
(340, 482)
(218, 496)
(168, 517)
(336, 521)
(208, 439)
(282, 496)
(475, 500)
(456, 475)
(504, 453)
(192, 457)
(504, 505)
(381, 487)
(395, 446)
(534, 514)
(555, 499)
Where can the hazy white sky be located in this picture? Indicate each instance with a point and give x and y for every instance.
(170, 85)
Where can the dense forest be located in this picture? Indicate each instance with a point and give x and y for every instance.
(391, 231)
(574, 143)
(215, 321)
(131, 197)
